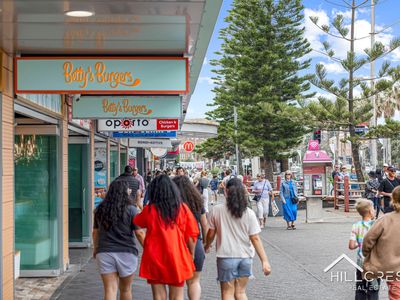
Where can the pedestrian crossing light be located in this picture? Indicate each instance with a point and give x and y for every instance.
(317, 136)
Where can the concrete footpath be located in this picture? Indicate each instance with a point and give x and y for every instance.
(298, 260)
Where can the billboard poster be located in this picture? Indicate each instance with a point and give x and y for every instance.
(100, 174)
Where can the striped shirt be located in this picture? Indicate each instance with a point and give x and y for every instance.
(358, 231)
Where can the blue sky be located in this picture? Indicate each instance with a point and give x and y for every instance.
(386, 14)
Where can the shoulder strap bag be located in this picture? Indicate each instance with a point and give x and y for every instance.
(258, 197)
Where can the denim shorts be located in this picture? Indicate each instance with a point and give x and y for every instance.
(199, 256)
(233, 268)
(123, 263)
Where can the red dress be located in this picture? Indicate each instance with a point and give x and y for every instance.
(166, 258)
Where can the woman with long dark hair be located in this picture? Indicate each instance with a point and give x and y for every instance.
(237, 230)
(191, 196)
(170, 242)
(115, 246)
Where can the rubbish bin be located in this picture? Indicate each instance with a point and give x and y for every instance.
(314, 209)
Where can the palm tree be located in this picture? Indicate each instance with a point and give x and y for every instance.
(388, 103)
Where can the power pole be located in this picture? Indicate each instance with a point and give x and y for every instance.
(373, 148)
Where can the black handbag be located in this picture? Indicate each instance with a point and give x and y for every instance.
(257, 198)
(295, 200)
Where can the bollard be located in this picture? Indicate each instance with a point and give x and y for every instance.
(278, 182)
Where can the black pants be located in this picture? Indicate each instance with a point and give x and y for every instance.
(367, 290)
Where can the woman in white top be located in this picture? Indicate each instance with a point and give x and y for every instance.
(237, 230)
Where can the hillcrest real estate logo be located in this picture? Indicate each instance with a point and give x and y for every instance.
(342, 276)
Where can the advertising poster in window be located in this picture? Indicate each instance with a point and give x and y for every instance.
(100, 174)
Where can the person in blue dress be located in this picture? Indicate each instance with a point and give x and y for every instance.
(288, 191)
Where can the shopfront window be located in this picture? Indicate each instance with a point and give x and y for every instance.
(123, 162)
(36, 190)
(52, 102)
(114, 172)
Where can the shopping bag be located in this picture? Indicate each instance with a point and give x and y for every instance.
(274, 207)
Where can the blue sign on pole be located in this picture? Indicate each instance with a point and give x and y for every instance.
(145, 134)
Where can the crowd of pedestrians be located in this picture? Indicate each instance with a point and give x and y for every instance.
(175, 229)
(167, 214)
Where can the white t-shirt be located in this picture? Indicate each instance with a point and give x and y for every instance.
(233, 239)
(264, 187)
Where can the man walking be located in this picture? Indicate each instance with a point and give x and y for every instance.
(133, 184)
(386, 188)
(335, 172)
(140, 179)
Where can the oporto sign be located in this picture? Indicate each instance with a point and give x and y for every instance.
(101, 75)
(121, 125)
(121, 107)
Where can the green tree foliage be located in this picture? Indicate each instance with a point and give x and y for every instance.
(390, 130)
(258, 72)
(348, 110)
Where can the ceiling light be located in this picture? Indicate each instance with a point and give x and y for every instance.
(79, 13)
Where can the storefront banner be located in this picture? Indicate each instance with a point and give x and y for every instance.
(137, 124)
(118, 107)
(149, 143)
(101, 75)
(145, 134)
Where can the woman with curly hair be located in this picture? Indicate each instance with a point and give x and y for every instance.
(170, 241)
(115, 246)
(237, 230)
(191, 196)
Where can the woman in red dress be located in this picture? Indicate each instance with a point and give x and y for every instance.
(171, 237)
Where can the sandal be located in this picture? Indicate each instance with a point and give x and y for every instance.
(293, 227)
(289, 228)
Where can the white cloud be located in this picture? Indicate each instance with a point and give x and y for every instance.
(206, 79)
(334, 67)
(341, 46)
(312, 32)
(325, 95)
(346, 14)
(205, 61)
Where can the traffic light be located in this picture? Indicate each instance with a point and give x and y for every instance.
(317, 136)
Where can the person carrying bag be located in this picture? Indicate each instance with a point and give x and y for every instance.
(262, 187)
